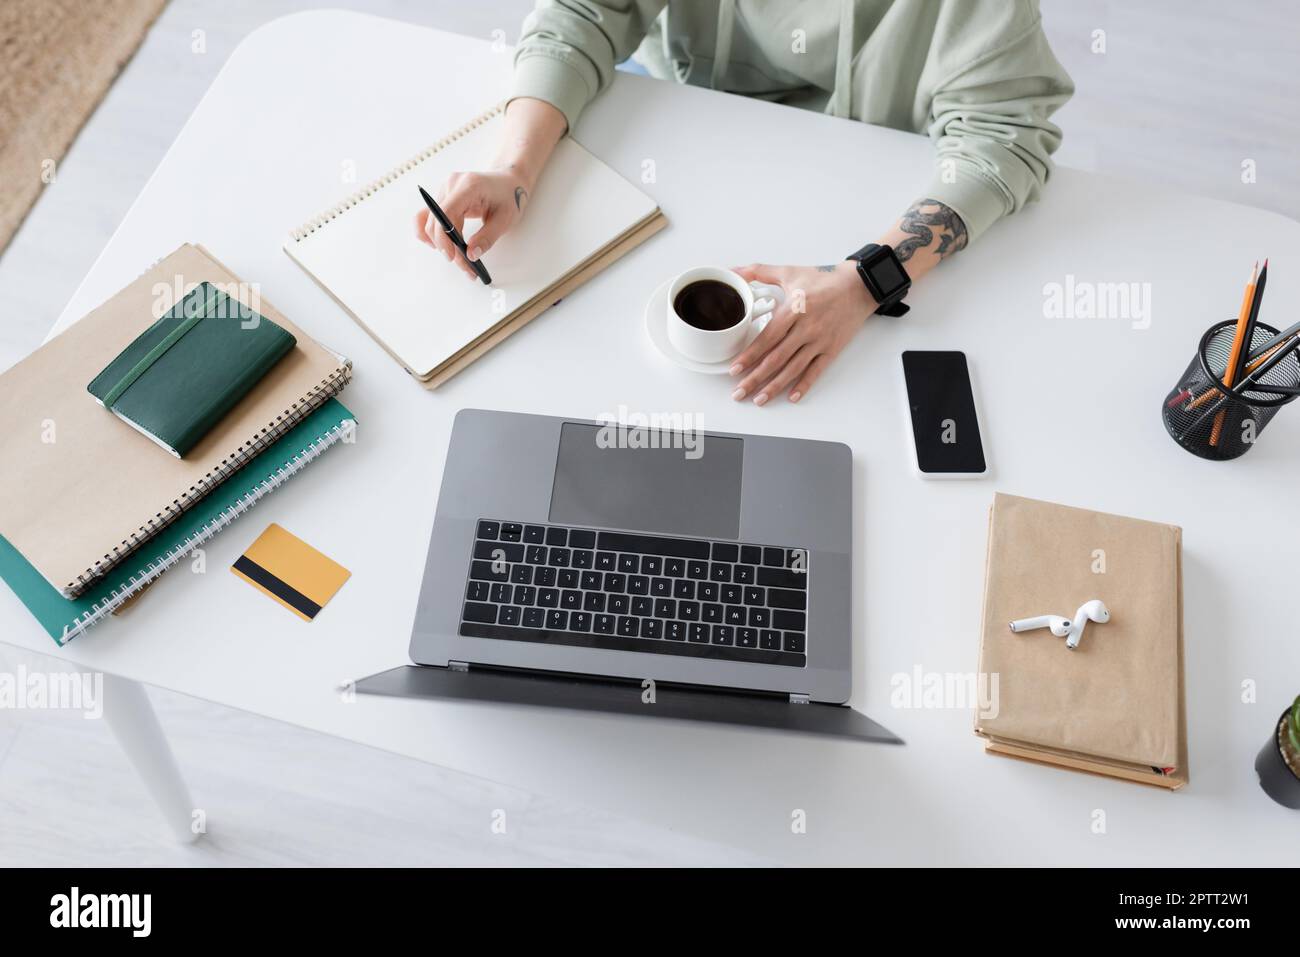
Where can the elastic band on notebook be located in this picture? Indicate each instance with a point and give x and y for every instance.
(157, 352)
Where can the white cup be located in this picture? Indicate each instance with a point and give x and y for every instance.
(709, 345)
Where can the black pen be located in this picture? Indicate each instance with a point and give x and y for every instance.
(454, 235)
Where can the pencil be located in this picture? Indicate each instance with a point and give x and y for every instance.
(1247, 339)
(1239, 336)
(1239, 346)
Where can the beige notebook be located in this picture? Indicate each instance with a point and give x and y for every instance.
(80, 490)
(1113, 705)
(425, 313)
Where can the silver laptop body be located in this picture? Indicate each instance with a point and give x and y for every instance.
(519, 489)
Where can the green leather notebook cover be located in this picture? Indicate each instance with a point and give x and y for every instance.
(178, 378)
(65, 618)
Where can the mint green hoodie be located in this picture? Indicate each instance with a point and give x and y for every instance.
(977, 76)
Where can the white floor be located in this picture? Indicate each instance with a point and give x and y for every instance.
(1185, 93)
(277, 795)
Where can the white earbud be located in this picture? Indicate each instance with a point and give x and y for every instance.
(1060, 626)
(1094, 610)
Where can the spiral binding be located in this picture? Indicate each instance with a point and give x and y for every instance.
(327, 388)
(309, 227)
(107, 606)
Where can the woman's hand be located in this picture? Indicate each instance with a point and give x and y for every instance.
(497, 197)
(824, 308)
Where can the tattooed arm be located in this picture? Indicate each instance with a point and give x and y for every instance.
(928, 233)
(825, 306)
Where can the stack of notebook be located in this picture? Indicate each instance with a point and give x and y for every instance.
(1115, 704)
(91, 509)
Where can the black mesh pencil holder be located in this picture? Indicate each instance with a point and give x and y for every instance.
(1206, 421)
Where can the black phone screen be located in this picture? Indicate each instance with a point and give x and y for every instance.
(944, 425)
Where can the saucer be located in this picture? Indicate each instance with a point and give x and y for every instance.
(656, 327)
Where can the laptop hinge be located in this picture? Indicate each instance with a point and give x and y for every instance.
(480, 668)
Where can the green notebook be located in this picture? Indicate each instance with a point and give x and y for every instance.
(65, 619)
(178, 378)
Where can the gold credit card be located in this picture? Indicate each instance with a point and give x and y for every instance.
(286, 568)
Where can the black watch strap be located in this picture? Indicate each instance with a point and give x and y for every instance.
(898, 308)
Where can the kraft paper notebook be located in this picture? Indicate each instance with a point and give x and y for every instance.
(81, 489)
(1114, 705)
(425, 313)
(66, 618)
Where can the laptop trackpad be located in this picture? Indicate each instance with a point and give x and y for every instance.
(647, 479)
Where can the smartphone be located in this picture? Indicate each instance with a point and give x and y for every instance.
(945, 423)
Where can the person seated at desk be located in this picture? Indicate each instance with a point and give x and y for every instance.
(976, 75)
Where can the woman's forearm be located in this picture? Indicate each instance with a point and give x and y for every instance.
(532, 128)
(928, 233)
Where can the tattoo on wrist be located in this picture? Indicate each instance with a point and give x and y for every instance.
(922, 221)
(830, 268)
(521, 197)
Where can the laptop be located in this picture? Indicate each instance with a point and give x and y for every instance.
(579, 564)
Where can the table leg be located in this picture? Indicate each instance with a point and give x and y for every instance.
(135, 725)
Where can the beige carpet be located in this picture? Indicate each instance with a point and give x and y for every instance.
(57, 60)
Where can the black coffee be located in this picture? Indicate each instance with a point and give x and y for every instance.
(710, 304)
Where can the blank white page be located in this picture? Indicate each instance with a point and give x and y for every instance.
(422, 308)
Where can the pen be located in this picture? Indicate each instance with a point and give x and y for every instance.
(1258, 358)
(1276, 389)
(1281, 337)
(1237, 391)
(454, 235)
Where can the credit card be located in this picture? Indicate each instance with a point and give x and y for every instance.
(284, 567)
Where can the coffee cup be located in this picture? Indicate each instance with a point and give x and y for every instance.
(710, 310)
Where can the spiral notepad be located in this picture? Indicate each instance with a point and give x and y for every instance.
(363, 252)
(65, 619)
(82, 490)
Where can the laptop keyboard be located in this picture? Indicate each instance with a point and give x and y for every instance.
(633, 592)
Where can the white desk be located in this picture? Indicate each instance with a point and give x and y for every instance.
(742, 180)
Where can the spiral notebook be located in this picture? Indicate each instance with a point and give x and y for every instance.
(65, 619)
(80, 490)
(364, 253)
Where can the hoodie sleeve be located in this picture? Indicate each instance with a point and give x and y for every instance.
(568, 48)
(989, 123)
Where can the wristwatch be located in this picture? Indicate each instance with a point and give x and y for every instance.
(885, 278)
